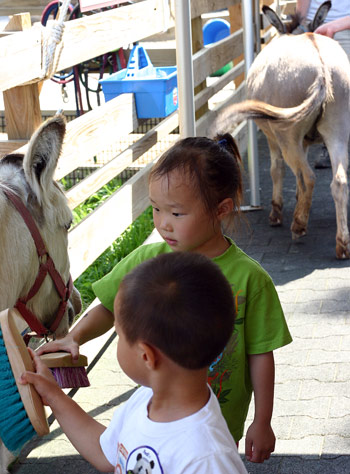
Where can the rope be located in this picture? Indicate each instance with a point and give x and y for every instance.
(52, 38)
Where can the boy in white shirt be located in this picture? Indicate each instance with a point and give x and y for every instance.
(174, 314)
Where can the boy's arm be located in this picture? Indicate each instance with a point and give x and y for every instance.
(260, 439)
(95, 323)
(83, 431)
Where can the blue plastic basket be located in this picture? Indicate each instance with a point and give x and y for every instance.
(155, 88)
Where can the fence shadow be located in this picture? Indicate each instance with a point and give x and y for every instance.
(273, 247)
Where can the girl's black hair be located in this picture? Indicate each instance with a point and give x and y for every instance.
(212, 165)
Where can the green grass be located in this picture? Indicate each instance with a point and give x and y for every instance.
(130, 239)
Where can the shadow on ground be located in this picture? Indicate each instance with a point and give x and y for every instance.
(273, 247)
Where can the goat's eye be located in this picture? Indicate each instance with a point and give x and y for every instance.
(67, 226)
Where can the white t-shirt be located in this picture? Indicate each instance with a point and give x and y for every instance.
(199, 443)
(339, 9)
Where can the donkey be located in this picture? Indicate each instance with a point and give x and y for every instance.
(299, 91)
(294, 24)
(27, 186)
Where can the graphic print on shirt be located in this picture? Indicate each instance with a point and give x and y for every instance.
(222, 367)
(143, 460)
(122, 456)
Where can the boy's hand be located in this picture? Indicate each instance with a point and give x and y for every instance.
(42, 379)
(259, 443)
(66, 344)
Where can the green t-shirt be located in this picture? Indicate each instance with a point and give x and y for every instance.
(260, 325)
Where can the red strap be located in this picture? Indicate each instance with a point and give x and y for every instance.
(48, 266)
(39, 243)
(30, 318)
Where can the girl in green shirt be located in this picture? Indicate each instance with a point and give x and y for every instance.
(195, 189)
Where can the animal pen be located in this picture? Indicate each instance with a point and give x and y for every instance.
(100, 131)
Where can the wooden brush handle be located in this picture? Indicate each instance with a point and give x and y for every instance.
(63, 359)
(21, 361)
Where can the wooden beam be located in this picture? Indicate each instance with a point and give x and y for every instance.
(22, 105)
(216, 55)
(210, 124)
(236, 24)
(206, 94)
(198, 7)
(92, 132)
(100, 228)
(22, 111)
(197, 45)
(20, 58)
(9, 146)
(81, 191)
(83, 39)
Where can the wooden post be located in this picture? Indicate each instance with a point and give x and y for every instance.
(22, 105)
(197, 44)
(235, 12)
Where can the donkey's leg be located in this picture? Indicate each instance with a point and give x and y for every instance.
(277, 171)
(338, 151)
(295, 155)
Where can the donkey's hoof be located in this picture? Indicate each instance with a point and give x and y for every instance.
(296, 236)
(275, 217)
(275, 222)
(342, 249)
(298, 229)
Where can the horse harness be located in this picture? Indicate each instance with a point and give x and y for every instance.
(46, 265)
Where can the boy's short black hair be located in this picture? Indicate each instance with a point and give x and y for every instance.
(182, 304)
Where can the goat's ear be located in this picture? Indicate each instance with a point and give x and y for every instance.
(43, 151)
(274, 19)
(320, 15)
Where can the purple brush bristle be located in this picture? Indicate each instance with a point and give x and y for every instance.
(71, 377)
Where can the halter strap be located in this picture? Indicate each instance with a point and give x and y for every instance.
(46, 265)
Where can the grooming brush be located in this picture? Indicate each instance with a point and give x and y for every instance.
(22, 414)
(68, 374)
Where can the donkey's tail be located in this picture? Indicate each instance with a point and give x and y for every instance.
(317, 94)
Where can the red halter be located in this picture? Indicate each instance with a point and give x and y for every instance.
(46, 265)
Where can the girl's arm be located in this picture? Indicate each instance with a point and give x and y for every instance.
(331, 28)
(95, 323)
(260, 438)
(83, 431)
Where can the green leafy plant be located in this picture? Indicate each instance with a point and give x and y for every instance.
(130, 239)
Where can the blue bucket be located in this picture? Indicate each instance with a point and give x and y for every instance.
(213, 31)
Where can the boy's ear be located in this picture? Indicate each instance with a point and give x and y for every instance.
(149, 355)
(225, 208)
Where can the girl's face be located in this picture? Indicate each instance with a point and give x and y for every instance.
(181, 218)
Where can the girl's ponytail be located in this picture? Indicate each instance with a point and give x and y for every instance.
(227, 141)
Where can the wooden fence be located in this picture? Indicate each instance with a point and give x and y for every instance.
(90, 134)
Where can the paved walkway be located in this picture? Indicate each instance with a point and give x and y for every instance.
(312, 396)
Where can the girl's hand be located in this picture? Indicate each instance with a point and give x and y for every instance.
(259, 443)
(42, 379)
(66, 344)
